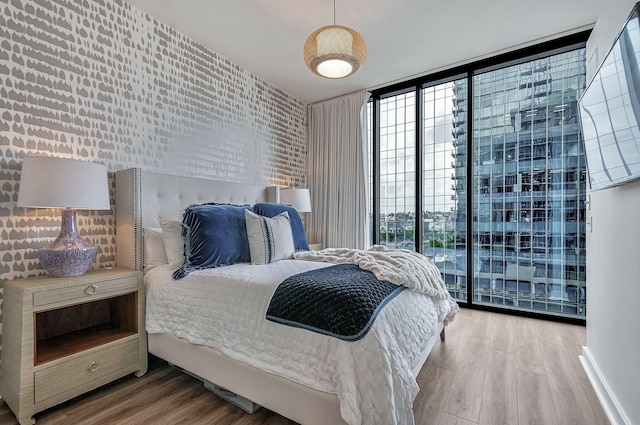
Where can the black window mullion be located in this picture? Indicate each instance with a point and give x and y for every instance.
(469, 190)
(376, 170)
(418, 223)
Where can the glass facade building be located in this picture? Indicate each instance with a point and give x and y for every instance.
(504, 212)
(529, 185)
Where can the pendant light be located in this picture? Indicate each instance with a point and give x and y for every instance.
(334, 51)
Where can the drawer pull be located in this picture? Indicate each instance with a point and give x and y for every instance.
(91, 289)
(93, 366)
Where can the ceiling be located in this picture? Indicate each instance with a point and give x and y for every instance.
(405, 38)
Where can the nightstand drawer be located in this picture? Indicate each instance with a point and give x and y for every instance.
(65, 376)
(84, 290)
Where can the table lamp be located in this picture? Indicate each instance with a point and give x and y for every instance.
(67, 184)
(297, 198)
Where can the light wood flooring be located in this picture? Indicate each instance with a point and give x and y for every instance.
(493, 369)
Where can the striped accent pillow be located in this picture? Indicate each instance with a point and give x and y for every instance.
(270, 239)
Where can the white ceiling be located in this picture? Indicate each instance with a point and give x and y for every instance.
(404, 38)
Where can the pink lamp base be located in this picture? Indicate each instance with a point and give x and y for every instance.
(69, 254)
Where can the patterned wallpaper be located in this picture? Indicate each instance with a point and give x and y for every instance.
(99, 80)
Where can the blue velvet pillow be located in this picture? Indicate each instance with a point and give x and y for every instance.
(214, 235)
(297, 228)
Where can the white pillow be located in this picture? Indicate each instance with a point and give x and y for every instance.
(154, 252)
(173, 241)
(270, 239)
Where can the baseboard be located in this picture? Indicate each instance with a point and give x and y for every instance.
(610, 405)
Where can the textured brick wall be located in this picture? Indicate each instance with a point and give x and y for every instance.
(99, 80)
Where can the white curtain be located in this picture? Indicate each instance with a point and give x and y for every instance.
(338, 172)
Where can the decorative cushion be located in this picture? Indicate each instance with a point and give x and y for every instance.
(173, 241)
(215, 235)
(154, 252)
(270, 239)
(268, 209)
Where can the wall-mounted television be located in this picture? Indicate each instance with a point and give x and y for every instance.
(610, 112)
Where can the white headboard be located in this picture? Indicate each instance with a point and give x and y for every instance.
(144, 198)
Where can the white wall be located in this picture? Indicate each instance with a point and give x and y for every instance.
(613, 268)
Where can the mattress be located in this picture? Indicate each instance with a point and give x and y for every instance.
(225, 308)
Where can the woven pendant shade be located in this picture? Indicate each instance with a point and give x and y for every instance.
(334, 51)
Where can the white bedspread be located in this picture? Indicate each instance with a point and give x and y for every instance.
(225, 308)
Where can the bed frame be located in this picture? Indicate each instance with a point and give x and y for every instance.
(143, 199)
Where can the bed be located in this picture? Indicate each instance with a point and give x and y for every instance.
(308, 393)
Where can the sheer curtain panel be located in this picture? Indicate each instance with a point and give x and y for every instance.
(338, 172)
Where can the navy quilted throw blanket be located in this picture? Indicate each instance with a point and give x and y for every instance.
(340, 301)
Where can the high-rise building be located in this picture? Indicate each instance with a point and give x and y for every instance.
(529, 185)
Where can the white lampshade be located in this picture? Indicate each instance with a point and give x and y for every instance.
(297, 198)
(48, 182)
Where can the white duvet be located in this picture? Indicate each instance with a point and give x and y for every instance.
(225, 308)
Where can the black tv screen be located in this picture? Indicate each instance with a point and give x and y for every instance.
(610, 112)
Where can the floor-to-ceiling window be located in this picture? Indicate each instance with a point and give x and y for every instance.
(492, 189)
(443, 177)
(530, 185)
(397, 170)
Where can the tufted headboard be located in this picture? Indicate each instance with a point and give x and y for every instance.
(144, 198)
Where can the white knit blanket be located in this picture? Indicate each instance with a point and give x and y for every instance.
(398, 266)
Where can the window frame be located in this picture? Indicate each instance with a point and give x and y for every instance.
(549, 48)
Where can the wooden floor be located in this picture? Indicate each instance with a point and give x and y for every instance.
(493, 369)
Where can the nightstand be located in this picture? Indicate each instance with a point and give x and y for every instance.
(65, 336)
(315, 246)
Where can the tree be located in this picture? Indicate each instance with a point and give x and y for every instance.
(436, 243)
